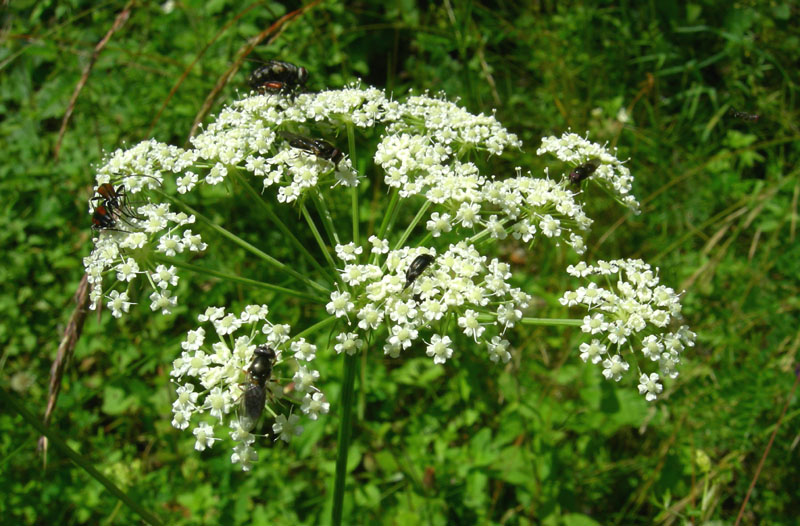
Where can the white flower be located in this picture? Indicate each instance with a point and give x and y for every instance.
(303, 350)
(349, 343)
(163, 301)
(170, 245)
(227, 324)
(592, 351)
(127, 270)
(164, 276)
(205, 436)
(186, 182)
(652, 347)
(216, 174)
(439, 349)
(245, 455)
(594, 324)
(118, 302)
(186, 398)
(439, 223)
(304, 379)
(650, 385)
(614, 368)
(469, 322)
(498, 349)
(314, 405)
(219, 402)
(348, 252)
(403, 335)
(180, 418)
(287, 427)
(468, 214)
(379, 246)
(370, 317)
(340, 304)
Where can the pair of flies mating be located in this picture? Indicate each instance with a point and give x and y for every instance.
(113, 206)
(277, 76)
(259, 371)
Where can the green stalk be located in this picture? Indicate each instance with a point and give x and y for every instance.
(314, 328)
(390, 213)
(345, 425)
(388, 218)
(413, 224)
(351, 146)
(325, 215)
(552, 322)
(9, 400)
(317, 236)
(281, 226)
(244, 244)
(238, 279)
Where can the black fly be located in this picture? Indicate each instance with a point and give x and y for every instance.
(259, 372)
(583, 171)
(320, 148)
(277, 76)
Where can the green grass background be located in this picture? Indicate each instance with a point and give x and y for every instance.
(543, 440)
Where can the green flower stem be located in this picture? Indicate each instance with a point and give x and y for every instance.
(425, 240)
(351, 146)
(238, 279)
(9, 400)
(391, 212)
(244, 244)
(345, 427)
(551, 321)
(412, 225)
(325, 215)
(485, 232)
(317, 236)
(314, 328)
(267, 209)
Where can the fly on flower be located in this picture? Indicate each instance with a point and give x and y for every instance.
(582, 172)
(318, 147)
(417, 267)
(103, 218)
(259, 372)
(277, 76)
(111, 197)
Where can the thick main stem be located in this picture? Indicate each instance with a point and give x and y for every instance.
(345, 428)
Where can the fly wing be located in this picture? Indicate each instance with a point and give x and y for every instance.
(252, 406)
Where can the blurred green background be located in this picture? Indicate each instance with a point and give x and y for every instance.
(543, 440)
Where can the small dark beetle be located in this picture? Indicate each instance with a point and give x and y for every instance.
(417, 267)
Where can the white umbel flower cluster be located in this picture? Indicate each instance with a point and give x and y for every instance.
(459, 288)
(611, 174)
(211, 379)
(631, 317)
(136, 230)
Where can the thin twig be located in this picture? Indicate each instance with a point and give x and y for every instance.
(122, 17)
(769, 446)
(65, 350)
(197, 58)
